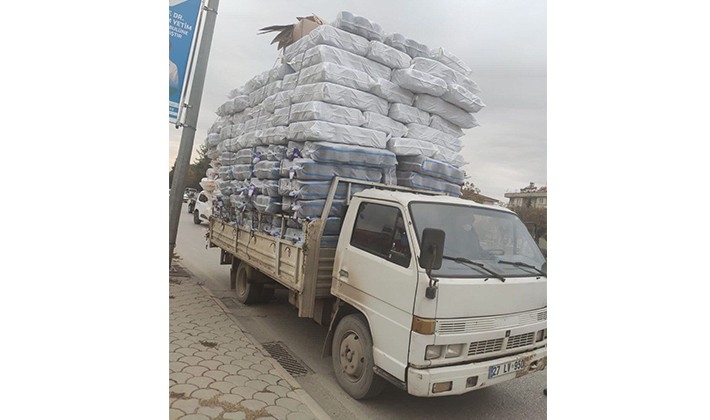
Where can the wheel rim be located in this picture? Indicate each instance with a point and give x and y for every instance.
(352, 359)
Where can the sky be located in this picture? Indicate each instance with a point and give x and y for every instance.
(503, 41)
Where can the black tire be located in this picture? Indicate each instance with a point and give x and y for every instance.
(190, 208)
(353, 362)
(196, 217)
(247, 293)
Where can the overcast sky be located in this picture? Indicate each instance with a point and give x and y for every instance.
(503, 41)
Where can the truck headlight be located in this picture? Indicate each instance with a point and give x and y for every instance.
(433, 352)
(454, 350)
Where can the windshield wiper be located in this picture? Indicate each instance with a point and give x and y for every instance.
(522, 264)
(464, 260)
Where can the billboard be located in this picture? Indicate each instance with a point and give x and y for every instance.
(183, 25)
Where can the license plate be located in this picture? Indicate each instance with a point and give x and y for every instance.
(504, 368)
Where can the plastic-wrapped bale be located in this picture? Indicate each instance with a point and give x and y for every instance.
(234, 105)
(313, 190)
(447, 127)
(416, 180)
(309, 209)
(402, 146)
(328, 54)
(431, 167)
(359, 25)
(227, 158)
(267, 204)
(387, 125)
(308, 169)
(273, 135)
(339, 95)
(419, 81)
(445, 110)
(390, 57)
(267, 169)
(332, 224)
(463, 98)
(447, 155)
(450, 60)
(325, 152)
(323, 111)
(408, 46)
(432, 135)
(392, 92)
(338, 74)
(242, 172)
(444, 72)
(328, 35)
(337, 133)
(408, 114)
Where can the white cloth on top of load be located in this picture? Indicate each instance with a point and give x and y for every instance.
(419, 81)
(408, 46)
(328, 35)
(308, 209)
(408, 114)
(358, 25)
(390, 57)
(328, 54)
(392, 92)
(442, 71)
(445, 110)
(339, 95)
(417, 180)
(336, 133)
(336, 73)
(431, 167)
(325, 152)
(267, 169)
(383, 123)
(277, 100)
(447, 155)
(323, 111)
(432, 135)
(314, 190)
(447, 127)
(463, 98)
(309, 169)
(402, 146)
(445, 57)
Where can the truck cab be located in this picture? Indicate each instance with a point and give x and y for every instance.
(435, 294)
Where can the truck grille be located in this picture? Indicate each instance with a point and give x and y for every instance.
(521, 340)
(487, 346)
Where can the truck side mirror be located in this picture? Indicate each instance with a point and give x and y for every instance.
(432, 249)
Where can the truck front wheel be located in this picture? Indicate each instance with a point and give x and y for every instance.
(247, 293)
(353, 362)
(196, 217)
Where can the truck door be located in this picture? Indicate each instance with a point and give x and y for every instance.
(374, 270)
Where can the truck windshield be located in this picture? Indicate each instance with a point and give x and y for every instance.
(496, 238)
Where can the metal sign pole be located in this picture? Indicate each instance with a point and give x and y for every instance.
(182, 163)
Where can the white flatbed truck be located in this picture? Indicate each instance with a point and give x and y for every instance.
(434, 294)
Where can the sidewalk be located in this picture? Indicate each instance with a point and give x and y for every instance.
(218, 371)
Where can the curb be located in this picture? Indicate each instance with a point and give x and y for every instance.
(307, 400)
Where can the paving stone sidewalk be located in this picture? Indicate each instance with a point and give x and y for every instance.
(218, 371)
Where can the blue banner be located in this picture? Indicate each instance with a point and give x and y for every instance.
(183, 24)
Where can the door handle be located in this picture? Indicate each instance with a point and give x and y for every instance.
(343, 273)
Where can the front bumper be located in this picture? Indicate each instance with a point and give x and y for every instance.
(420, 382)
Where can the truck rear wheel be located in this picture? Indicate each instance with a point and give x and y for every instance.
(353, 362)
(247, 293)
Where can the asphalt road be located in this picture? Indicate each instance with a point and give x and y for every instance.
(302, 339)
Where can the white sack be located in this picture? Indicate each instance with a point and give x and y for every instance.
(447, 127)
(323, 111)
(385, 124)
(410, 147)
(432, 135)
(419, 81)
(279, 72)
(277, 100)
(326, 152)
(335, 73)
(358, 25)
(336, 133)
(408, 46)
(289, 82)
(328, 35)
(445, 110)
(445, 57)
(328, 54)
(390, 57)
(273, 135)
(280, 117)
(462, 98)
(339, 95)
(392, 92)
(408, 114)
(449, 156)
(442, 71)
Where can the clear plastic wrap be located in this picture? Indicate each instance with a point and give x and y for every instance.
(326, 152)
(309, 209)
(444, 72)
(447, 127)
(339, 95)
(308, 169)
(431, 167)
(323, 111)
(266, 204)
(408, 46)
(419, 81)
(401, 146)
(408, 114)
(462, 98)
(432, 135)
(328, 54)
(313, 190)
(390, 57)
(335, 73)
(391, 92)
(416, 180)
(267, 169)
(445, 110)
(328, 35)
(445, 57)
(336, 133)
(447, 155)
(392, 128)
(358, 25)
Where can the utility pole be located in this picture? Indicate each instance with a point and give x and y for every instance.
(189, 127)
